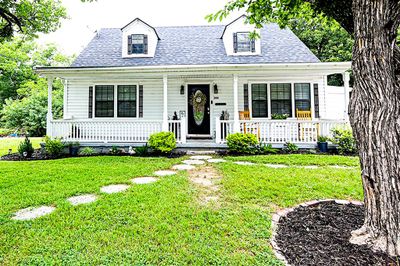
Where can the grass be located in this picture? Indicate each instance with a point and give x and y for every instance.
(160, 223)
(13, 143)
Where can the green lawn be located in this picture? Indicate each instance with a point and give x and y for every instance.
(13, 143)
(160, 223)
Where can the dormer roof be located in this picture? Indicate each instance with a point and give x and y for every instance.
(233, 21)
(138, 19)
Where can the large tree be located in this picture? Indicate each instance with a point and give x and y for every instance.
(374, 104)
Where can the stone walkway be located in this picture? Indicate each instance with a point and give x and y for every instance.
(205, 177)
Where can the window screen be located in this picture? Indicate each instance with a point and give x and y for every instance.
(302, 96)
(259, 100)
(281, 98)
(127, 100)
(137, 44)
(104, 96)
(243, 42)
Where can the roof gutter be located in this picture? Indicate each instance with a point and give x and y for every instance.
(343, 66)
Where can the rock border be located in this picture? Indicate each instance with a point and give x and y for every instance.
(284, 212)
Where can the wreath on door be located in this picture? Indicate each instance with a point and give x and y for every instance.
(198, 101)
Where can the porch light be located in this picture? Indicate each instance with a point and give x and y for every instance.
(215, 89)
(182, 89)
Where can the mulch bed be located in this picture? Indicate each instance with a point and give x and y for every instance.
(319, 235)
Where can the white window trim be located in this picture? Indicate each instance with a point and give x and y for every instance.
(137, 54)
(115, 101)
(268, 83)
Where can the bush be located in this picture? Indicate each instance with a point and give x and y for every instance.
(25, 147)
(53, 147)
(322, 139)
(242, 143)
(267, 149)
(279, 116)
(115, 151)
(290, 147)
(163, 142)
(345, 141)
(4, 132)
(142, 150)
(87, 151)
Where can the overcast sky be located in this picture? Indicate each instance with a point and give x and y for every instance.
(86, 18)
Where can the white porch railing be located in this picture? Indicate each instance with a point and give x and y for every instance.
(280, 131)
(113, 131)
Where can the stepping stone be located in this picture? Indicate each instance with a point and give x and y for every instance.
(193, 162)
(82, 199)
(182, 167)
(244, 163)
(32, 213)
(216, 160)
(202, 181)
(114, 188)
(276, 165)
(201, 157)
(311, 167)
(164, 173)
(144, 180)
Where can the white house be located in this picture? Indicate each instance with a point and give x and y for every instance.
(200, 82)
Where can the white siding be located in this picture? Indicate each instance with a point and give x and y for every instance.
(78, 99)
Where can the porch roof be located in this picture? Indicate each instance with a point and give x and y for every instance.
(319, 68)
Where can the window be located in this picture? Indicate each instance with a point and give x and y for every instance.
(302, 96)
(137, 44)
(281, 98)
(243, 42)
(259, 100)
(104, 101)
(127, 100)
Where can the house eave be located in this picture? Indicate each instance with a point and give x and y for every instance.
(331, 67)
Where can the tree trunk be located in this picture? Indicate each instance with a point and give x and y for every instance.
(375, 119)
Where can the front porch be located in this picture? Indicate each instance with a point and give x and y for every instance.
(276, 132)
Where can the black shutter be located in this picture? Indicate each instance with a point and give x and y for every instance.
(145, 44)
(235, 42)
(130, 44)
(90, 115)
(316, 101)
(253, 45)
(246, 97)
(140, 100)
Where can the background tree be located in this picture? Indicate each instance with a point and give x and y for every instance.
(23, 94)
(374, 104)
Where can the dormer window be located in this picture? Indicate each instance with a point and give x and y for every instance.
(242, 43)
(137, 44)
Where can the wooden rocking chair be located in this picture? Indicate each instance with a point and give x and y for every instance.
(251, 127)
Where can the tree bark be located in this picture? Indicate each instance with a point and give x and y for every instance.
(375, 119)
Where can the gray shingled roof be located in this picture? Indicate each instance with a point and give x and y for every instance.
(194, 45)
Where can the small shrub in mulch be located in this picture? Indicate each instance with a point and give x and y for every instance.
(319, 235)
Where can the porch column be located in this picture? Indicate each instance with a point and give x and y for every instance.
(236, 124)
(165, 103)
(346, 80)
(49, 116)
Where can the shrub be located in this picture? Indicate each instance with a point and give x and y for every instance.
(142, 150)
(53, 147)
(163, 142)
(345, 141)
(290, 147)
(279, 116)
(25, 147)
(115, 151)
(87, 151)
(322, 139)
(4, 132)
(267, 149)
(242, 143)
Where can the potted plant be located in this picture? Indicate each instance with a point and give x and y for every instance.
(279, 116)
(322, 143)
(74, 148)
